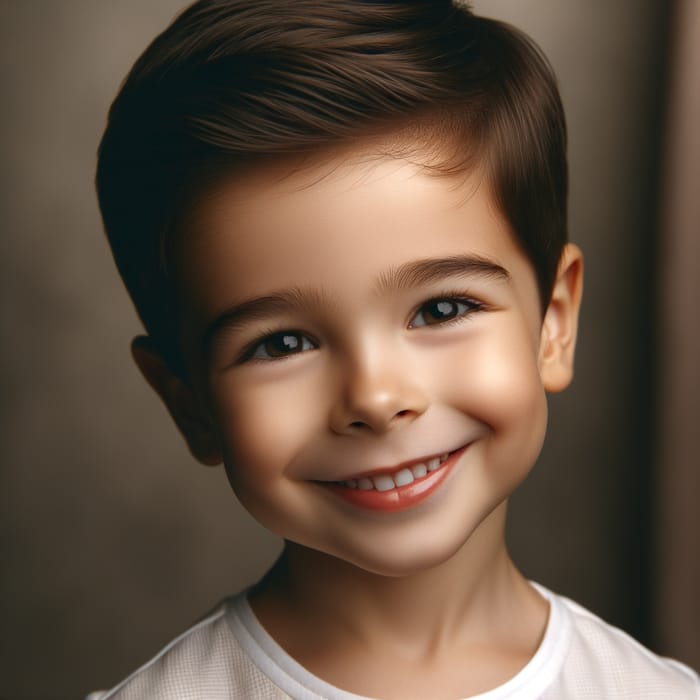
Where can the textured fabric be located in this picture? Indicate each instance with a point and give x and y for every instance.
(229, 655)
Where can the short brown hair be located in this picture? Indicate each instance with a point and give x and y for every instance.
(231, 83)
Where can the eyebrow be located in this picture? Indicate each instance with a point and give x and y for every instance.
(423, 272)
(407, 276)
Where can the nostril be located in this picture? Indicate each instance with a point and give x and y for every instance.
(400, 414)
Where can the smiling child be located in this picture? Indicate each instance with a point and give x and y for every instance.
(344, 227)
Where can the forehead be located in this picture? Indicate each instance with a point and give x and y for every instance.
(318, 185)
(336, 223)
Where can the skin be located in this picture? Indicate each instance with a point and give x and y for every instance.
(425, 600)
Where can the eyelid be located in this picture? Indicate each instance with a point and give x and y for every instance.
(475, 306)
(247, 355)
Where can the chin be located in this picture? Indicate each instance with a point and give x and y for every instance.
(404, 557)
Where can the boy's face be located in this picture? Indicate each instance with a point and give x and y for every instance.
(351, 323)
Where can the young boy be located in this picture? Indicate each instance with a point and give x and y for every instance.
(343, 225)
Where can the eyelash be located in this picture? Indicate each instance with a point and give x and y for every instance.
(471, 306)
(249, 355)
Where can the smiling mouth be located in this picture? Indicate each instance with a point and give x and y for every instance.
(404, 487)
(403, 476)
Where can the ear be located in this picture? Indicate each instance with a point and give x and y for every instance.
(180, 400)
(558, 335)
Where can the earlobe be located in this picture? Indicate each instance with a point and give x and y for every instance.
(560, 324)
(180, 400)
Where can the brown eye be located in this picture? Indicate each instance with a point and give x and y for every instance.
(281, 345)
(439, 311)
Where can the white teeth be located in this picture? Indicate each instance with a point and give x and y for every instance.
(419, 470)
(383, 482)
(433, 464)
(405, 476)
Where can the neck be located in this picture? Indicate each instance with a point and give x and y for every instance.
(463, 598)
(457, 629)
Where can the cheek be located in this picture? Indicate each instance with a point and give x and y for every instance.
(263, 426)
(498, 384)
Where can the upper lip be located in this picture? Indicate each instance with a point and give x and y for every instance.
(395, 468)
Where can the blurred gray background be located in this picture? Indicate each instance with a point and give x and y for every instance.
(112, 540)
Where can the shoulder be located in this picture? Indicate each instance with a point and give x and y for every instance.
(604, 661)
(205, 661)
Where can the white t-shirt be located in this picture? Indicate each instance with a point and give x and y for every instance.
(230, 655)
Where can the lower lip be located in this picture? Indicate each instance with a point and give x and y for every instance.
(401, 497)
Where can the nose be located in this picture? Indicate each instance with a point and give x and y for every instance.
(376, 394)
